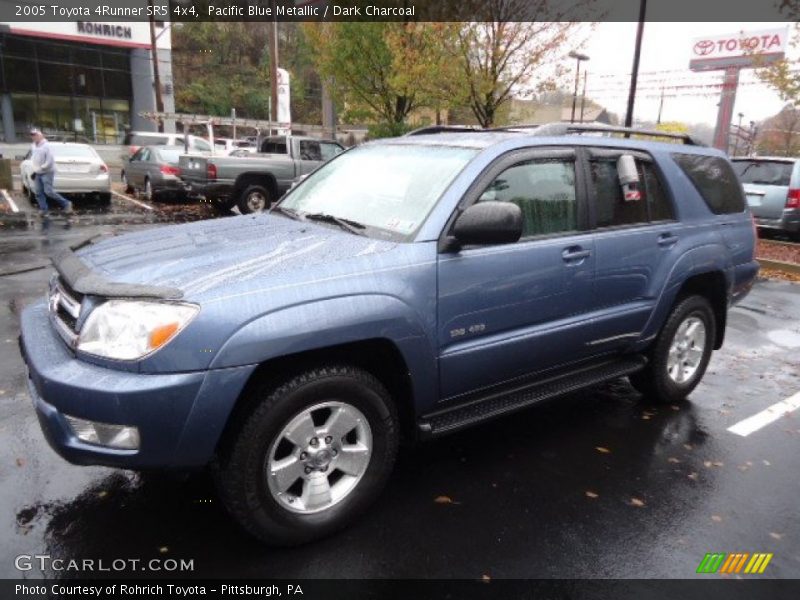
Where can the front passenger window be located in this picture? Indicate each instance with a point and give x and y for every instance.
(545, 192)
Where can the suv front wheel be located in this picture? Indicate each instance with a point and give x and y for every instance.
(680, 354)
(311, 456)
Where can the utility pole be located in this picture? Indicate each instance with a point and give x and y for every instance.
(738, 135)
(635, 74)
(156, 75)
(660, 106)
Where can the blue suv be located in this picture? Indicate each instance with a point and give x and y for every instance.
(408, 288)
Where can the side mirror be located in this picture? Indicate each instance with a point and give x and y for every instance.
(489, 223)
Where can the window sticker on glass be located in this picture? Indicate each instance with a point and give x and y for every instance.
(400, 225)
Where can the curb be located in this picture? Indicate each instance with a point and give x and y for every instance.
(779, 265)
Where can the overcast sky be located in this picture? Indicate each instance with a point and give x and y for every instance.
(665, 61)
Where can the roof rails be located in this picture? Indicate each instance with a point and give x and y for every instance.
(558, 129)
(430, 129)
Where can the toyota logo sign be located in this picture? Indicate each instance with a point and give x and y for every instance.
(704, 47)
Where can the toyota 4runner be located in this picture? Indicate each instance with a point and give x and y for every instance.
(408, 287)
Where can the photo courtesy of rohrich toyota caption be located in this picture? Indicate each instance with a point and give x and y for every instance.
(399, 299)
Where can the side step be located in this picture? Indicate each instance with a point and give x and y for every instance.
(501, 402)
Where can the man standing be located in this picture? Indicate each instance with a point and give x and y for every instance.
(44, 170)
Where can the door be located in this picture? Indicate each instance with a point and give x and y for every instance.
(506, 311)
(136, 167)
(636, 241)
(310, 156)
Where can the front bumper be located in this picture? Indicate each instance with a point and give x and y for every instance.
(180, 416)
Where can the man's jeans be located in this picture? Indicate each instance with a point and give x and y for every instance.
(44, 190)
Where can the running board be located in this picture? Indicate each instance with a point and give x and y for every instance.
(502, 402)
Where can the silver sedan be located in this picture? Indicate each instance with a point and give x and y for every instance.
(79, 170)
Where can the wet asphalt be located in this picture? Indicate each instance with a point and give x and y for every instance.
(596, 484)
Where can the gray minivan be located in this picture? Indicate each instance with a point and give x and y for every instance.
(772, 186)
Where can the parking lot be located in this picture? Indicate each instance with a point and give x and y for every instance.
(599, 484)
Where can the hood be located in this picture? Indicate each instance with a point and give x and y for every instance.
(201, 256)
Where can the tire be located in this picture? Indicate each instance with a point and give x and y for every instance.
(279, 510)
(223, 205)
(128, 187)
(254, 198)
(676, 362)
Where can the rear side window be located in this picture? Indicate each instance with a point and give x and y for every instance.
(715, 180)
(148, 140)
(764, 172)
(613, 210)
(273, 146)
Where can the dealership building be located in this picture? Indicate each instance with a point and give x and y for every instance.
(86, 80)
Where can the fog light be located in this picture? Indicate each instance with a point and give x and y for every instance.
(104, 434)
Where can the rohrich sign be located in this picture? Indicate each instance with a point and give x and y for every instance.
(742, 50)
(731, 53)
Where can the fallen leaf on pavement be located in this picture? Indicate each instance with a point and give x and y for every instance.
(485, 578)
(163, 549)
(776, 536)
(20, 462)
(716, 518)
(693, 476)
(602, 450)
(636, 502)
(674, 407)
(673, 460)
(707, 464)
(688, 446)
(767, 463)
(102, 494)
(444, 500)
(591, 494)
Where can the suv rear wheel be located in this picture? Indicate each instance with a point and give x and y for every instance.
(680, 354)
(310, 457)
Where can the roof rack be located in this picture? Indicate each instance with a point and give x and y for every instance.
(430, 129)
(558, 129)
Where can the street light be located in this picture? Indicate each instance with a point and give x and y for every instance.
(738, 133)
(578, 58)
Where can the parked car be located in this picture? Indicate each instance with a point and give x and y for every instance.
(410, 287)
(772, 186)
(153, 171)
(79, 171)
(254, 183)
(226, 146)
(136, 139)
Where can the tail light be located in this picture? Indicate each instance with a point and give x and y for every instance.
(793, 198)
(211, 170)
(103, 168)
(170, 170)
(132, 150)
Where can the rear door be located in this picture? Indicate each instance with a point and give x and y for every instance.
(136, 168)
(507, 311)
(766, 183)
(636, 243)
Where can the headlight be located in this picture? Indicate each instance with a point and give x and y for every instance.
(131, 329)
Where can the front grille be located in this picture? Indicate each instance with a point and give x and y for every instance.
(65, 310)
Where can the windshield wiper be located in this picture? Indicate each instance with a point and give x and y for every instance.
(289, 212)
(346, 224)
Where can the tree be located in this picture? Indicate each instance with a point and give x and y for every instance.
(780, 135)
(502, 55)
(381, 72)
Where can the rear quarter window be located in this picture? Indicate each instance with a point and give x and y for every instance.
(715, 180)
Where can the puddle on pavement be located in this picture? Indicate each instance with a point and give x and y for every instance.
(785, 338)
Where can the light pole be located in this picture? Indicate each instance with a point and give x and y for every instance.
(578, 58)
(738, 133)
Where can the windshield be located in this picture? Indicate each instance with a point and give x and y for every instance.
(763, 172)
(388, 188)
(72, 151)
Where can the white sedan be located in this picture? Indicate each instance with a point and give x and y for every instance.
(79, 170)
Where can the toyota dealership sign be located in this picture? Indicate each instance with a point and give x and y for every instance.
(743, 49)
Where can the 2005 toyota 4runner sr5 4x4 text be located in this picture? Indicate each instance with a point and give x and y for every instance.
(408, 287)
